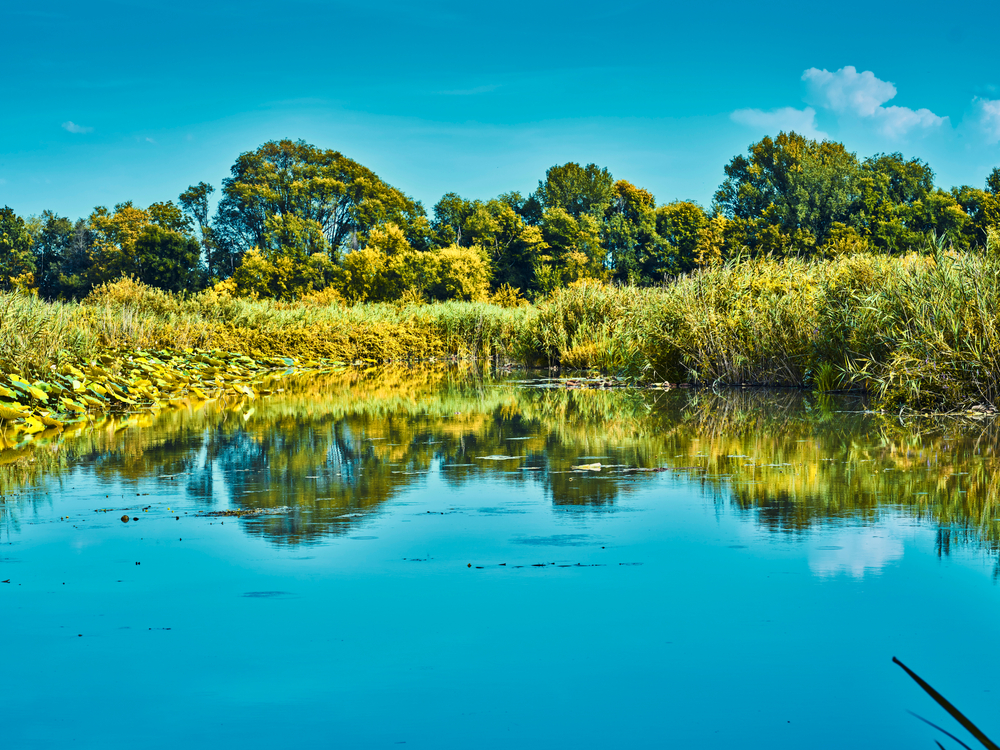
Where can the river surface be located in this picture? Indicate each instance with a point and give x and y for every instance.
(411, 559)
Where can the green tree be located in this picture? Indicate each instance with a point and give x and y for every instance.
(629, 234)
(898, 206)
(194, 201)
(170, 216)
(571, 250)
(167, 259)
(61, 256)
(576, 190)
(789, 192)
(17, 265)
(679, 224)
(130, 242)
(982, 207)
(293, 178)
(450, 215)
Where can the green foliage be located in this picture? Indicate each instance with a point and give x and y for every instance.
(389, 268)
(60, 250)
(636, 253)
(576, 190)
(17, 265)
(898, 206)
(166, 259)
(134, 242)
(917, 331)
(982, 207)
(463, 273)
(301, 186)
(194, 202)
(789, 192)
(679, 224)
(570, 250)
(171, 217)
(277, 276)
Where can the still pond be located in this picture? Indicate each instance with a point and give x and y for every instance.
(437, 558)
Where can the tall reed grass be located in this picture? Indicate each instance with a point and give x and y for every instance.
(918, 331)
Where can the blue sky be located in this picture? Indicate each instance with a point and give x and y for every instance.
(110, 101)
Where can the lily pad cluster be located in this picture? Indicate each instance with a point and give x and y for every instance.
(131, 382)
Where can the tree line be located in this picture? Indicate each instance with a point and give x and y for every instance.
(294, 220)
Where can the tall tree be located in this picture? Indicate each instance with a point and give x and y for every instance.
(680, 224)
(17, 264)
(577, 190)
(55, 258)
(900, 210)
(450, 215)
(288, 177)
(629, 234)
(787, 194)
(194, 202)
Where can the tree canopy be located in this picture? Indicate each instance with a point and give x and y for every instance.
(291, 190)
(294, 221)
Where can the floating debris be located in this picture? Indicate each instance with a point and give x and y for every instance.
(245, 512)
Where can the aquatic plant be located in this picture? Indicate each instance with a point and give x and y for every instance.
(947, 706)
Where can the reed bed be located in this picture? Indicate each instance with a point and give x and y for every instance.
(916, 332)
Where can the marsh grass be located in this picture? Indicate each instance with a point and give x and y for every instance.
(917, 332)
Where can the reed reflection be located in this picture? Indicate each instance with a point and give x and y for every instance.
(338, 445)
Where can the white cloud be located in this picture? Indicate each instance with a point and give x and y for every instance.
(150, 140)
(72, 127)
(989, 118)
(848, 92)
(802, 121)
(897, 121)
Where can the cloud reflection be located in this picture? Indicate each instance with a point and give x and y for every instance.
(855, 552)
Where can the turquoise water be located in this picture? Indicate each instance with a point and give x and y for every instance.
(400, 587)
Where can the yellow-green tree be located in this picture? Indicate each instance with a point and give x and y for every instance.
(17, 265)
(679, 224)
(389, 267)
(276, 276)
(318, 187)
(573, 250)
(131, 241)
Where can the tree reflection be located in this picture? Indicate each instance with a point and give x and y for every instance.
(335, 446)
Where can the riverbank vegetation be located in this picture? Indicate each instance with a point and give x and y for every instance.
(812, 268)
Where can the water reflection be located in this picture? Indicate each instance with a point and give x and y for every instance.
(337, 445)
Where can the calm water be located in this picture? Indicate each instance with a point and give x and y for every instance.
(400, 586)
